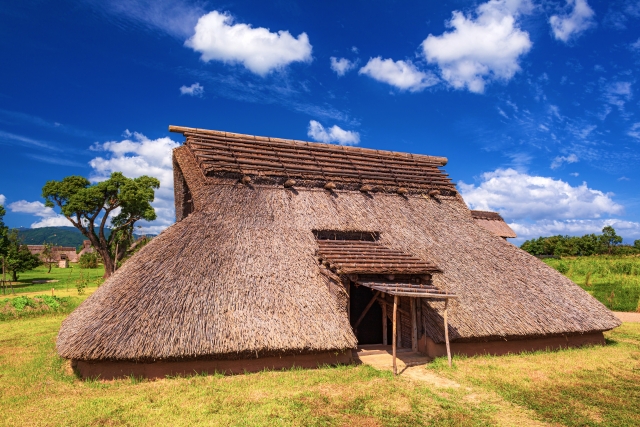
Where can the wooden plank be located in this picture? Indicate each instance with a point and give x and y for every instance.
(394, 339)
(414, 326)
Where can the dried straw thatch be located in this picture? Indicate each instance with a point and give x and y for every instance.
(238, 274)
(493, 222)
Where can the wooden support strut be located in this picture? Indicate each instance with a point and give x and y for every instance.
(393, 345)
(446, 331)
(366, 310)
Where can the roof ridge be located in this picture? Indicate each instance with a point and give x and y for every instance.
(441, 161)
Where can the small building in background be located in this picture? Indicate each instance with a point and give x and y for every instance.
(59, 252)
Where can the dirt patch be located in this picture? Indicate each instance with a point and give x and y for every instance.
(420, 373)
(628, 317)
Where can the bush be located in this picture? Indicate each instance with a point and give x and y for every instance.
(89, 260)
(22, 306)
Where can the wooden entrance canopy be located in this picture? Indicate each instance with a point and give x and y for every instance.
(370, 264)
(366, 257)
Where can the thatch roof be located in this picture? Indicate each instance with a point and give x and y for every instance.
(238, 274)
(493, 222)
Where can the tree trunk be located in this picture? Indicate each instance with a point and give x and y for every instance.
(108, 263)
(49, 267)
(14, 275)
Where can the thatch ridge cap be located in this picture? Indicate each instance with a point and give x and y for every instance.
(439, 160)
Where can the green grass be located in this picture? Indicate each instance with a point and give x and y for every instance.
(66, 279)
(23, 306)
(38, 388)
(595, 386)
(613, 280)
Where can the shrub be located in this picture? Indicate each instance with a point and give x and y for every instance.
(89, 260)
(22, 306)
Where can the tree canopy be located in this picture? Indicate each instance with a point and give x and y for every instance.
(89, 207)
(18, 258)
(589, 244)
(4, 241)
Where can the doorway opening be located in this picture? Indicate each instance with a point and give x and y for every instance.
(369, 331)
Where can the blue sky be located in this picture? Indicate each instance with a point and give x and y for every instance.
(535, 103)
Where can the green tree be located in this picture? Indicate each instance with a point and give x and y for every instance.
(88, 207)
(636, 244)
(4, 241)
(47, 255)
(19, 259)
(609, 238)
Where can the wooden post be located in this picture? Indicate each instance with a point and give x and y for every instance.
(349, 300)
(395, 315)
(384, 323)
(419, 317)
(446, 331)
(399, 333)
(414, 326)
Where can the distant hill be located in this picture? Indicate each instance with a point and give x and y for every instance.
(59, 236)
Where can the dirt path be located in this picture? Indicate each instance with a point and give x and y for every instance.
(506, 413)
(628, 317)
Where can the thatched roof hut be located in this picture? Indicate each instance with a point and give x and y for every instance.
(493, 222)
(279, 245)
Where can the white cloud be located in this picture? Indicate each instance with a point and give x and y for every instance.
(194, 90)
(341, 66)
(575, 227)
(175, 17)
(333, 134)
(576, 174)
(618, 93)
(259, 50)
(138, 155)
(517, 196)
(401, 74)
(49, 218)
(2, 199)
(479, 50)
(560, 160)
(571, 25)
(635, 45)
(635, 131)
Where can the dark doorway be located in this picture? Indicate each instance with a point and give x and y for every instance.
(370, 328)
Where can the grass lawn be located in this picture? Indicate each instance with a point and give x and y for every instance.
(612, 280)
(597, 386)
(67, 279)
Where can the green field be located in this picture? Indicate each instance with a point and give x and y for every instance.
(67, 280)
(595, 386)
(613, 280)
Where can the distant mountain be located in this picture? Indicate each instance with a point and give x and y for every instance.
(59, 236)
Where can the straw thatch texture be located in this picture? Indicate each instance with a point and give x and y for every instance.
(493, 222)
(238, 277)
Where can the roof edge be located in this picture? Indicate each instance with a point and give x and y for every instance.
(441, 161)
